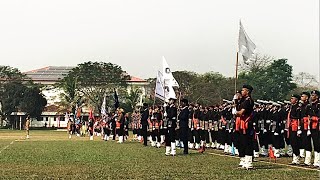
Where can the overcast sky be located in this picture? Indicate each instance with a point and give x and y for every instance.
(198, 35)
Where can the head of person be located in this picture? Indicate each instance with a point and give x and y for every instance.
(172, 100)
(246, 90)
(145, 106)
(315, 94)
(184, 102)
(305, 96)
(295, 99)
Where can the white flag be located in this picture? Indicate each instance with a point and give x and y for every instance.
(103, 107)
(159, 91)
(246, 46)
(163, 92)
(168, 78)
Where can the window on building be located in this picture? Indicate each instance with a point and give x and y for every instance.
(47, 118)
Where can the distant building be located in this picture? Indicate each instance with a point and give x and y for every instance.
(49, 76)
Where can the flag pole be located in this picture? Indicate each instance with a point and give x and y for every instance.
(236, 78)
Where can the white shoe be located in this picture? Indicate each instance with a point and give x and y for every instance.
(221, 147)
(218, 146)
(226, 148)
(173, 149)
(191, 145)
(158, 145)
(213, 145)
(248, 162)
(162, 137)
(139, 138)
(307, 160)
(181, 144)
(107, 138)
(197, 146)
(256, 154)
(277, 153)
(91, 138)
(28, 136)
(167, 151)
(208, 145)
(236, 151)
(242, 162)
(290, 152)
(316, 162)
(153, 144)
(69, 136)
(120, 139)
(302, 153)
(295, 160)
(177, 143)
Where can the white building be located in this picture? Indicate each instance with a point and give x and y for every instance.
(49, 76)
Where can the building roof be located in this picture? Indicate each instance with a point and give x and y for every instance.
(51, 74)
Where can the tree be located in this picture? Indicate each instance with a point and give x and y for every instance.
(19, 97)
(256, 63)
(271, 83)
(96, 80)
(132, 99)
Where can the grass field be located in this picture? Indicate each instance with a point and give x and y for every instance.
(51, 155)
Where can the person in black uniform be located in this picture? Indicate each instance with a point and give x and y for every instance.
(304, 102)
(184, 128)
(144, 123)
(171, 113)
(294, 118)
(313, 132)
(246, 131)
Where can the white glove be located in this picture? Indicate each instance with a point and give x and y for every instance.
(234, 111)
(299, 132)
(282, 131)
(235, 97)
(308, 132)
(165, 114)
(268, 121)
(276, 134)
(264, 130)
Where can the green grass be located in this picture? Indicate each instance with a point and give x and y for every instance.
(51, 155)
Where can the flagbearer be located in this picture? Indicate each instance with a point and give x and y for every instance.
(171, 114)
(246, 131)
(144, 123)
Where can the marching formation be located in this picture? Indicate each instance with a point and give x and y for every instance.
(239, 127)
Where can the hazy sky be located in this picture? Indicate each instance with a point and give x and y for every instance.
(198, 35)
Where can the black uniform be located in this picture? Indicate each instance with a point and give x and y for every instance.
(184, 129)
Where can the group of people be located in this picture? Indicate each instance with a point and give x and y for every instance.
(239, 127)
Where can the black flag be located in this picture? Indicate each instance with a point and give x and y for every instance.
(116, 100)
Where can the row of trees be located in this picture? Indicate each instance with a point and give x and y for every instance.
(88, 83)
(19, 94)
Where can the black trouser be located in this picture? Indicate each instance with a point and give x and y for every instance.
(236, 139)
(276, 139)
(197, 135)
(177, 135)
(184, 134)
(222, 135)
(286, 138)
(106, 131)
(120, 132)
(294, 140)
(214, 135)
(246, 143)
(156, 135)
(315, 140)
(228, 138)
(170, 136)
(306, 141)
(191, 139)
(144, 133)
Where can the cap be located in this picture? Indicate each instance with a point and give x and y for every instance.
(315, 92)
(296, 96)
(247, 86)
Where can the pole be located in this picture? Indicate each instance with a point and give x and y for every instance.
(236, 78)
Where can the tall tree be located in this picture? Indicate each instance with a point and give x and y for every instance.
(97, 79)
